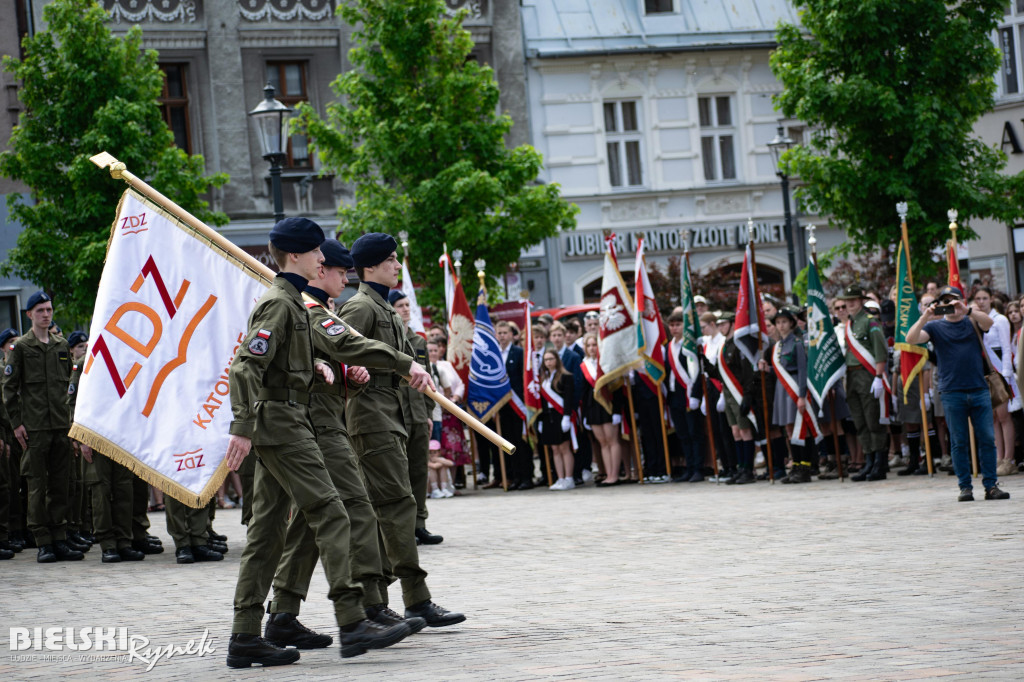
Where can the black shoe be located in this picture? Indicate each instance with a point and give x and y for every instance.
(221, 547)
(435, 616)
(46, 555)
(525, 485)
(183, 555)
(6, 554)
(10, 547)
(244, 650)
(216, 536)
(204, 553)
(77, 546)
(66, 553)
(129, 554)
(147, 547)
(697, 477)
(79, 539)
(578, 481)
(17, 544)
(966, 495)
(110, 556)
(994, 493)
(368, 635)
(154, 540)
(381, 614)
(284, 629)
(425, 537)
(912, 466)
(922, 470)
(744, 477)
(798, 474)
(869, 463)
(880, 468)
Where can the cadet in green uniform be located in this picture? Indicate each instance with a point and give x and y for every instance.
(35, 386)
(864, 383)
(416, 412)
(327, 409)
(79, 519)
(736, 412)
(7, 498)
(271, 378)
(378, 429)
(14, 518)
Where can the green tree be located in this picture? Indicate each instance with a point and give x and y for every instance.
(417, 133)
(87, 91)
(892, 91)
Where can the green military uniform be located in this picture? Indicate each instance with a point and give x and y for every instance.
(327, 410)
(186, 525)
(744, 373)
(416, 409)
(8, 482)
(379, 433)
(864, 407)
(35, 385)
(271, 378)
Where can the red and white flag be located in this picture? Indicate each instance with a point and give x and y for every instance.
(617, 342)
(460, 321)
(751, 334)
(528, 408)
(650, 331)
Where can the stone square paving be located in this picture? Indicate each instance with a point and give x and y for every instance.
(891, 580)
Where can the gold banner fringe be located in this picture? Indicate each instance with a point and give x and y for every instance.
(149, 475)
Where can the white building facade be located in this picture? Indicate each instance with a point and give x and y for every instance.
(654, 117)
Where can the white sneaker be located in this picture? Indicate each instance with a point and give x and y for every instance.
(558, 485)
(658, 479)
(448, 490)
(436, 494)
(569, 483)
(481, 478)
(587, 475)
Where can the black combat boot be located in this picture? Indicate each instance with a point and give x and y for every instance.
(869, 463)
(880, 468)
(358, 638)
(244, 650)
(284, 629)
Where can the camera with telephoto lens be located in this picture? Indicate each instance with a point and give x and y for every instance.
(947, 309)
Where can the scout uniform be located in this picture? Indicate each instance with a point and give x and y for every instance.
(327, 410)
(379, 434)
(865, 348)
(271, 378)
(416, 410)
(35, 385)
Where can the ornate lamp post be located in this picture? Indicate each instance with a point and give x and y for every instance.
(778, 146)
(270, 119)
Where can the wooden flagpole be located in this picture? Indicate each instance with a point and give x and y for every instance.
(636, 434)
(118, 171)
(664, 432)
(703, 377)
(833, 422)
(769, 463)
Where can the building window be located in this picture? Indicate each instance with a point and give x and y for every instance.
(174, 104)
(658, 6)
(717, 135)
(622, 132)
(1008, 38)
(289, 81)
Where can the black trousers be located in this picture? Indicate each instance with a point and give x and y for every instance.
(651, 441)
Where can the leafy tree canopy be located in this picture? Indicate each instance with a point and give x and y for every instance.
(87, 91)
(892, 91)
(418, 134)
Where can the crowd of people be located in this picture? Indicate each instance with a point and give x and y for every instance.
(746, 421)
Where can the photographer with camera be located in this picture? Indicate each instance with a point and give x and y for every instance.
(951, 326)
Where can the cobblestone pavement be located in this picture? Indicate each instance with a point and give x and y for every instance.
(889, 580)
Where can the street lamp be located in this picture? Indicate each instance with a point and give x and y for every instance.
(270, 119)
(778, 147)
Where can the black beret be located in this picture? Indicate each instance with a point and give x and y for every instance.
(37, 298)
(726, 317)
(296, 235)
(373, 248)
(76, 337)
(336, 255)
(396, 295)
(6, 335)
(787, 313)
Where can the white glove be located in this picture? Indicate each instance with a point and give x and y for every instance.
(566, 424)
(586, 424)
(703, 406)
(616, 419)
(540, 426)
(1014, 404)
(720, 405)
(928, 400)
(694, 403)
(876, 387)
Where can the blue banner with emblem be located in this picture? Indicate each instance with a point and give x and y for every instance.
(489, 386)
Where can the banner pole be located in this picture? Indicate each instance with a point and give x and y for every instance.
(664, 432)
(501, 457)
(700, 366)
(636, 434)
(769, 459)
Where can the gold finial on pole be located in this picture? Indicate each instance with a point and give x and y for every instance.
(952, 215)
(480, 264)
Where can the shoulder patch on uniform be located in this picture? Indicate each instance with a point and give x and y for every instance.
(335, 329)
(327, 324)
(71, 389)
(7, 370)
(259, 346)
(264, 334)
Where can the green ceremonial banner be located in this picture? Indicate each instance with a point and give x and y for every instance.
(691, 326)
(825, 357)
(912, 357)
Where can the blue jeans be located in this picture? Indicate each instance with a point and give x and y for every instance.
(976, 406)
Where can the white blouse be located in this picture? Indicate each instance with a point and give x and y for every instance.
(997, 338)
